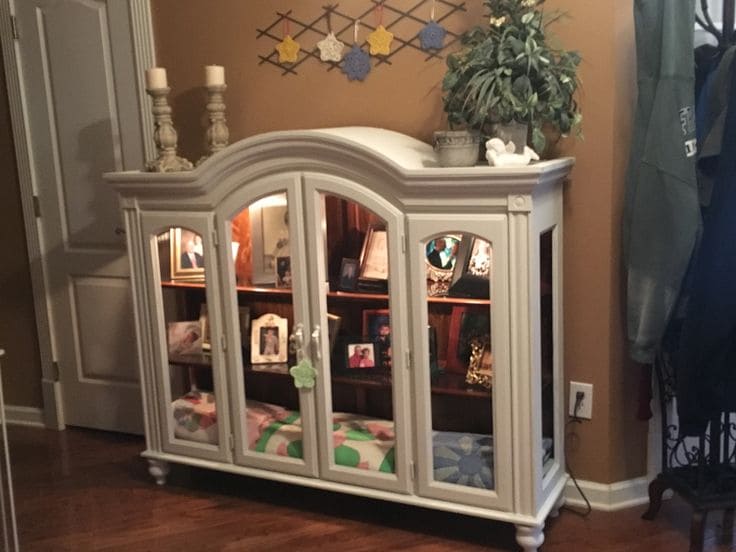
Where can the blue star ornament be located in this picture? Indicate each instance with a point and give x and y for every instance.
(432, 36)
(356, 64)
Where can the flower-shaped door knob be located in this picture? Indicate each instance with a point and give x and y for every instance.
(304, 374)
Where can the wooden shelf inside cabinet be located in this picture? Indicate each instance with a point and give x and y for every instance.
(198, 359)
(339, 295)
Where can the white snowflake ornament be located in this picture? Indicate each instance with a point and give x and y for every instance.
(330, 48)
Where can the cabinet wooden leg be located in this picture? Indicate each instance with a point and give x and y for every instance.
(529, 538)
(158, 470)
(555, 511)
(656, 490)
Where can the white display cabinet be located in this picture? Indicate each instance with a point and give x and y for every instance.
(330, 308)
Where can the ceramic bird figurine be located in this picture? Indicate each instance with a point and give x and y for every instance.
(500, 155)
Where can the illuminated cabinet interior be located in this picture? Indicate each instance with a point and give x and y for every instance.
(330, 308)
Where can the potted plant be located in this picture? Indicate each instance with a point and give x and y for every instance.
(507, 73)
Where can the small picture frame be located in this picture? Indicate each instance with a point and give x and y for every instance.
(349, 269)
(374, 255)
(187, 254)
(333, 329)
(184, 338)
(204, 323)
(283, 272)
(377, 329)
(471, 276)
(269, 334)
(359, 356)
(466, 322)
(480, 368)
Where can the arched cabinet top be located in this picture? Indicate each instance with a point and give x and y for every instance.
(397, 166)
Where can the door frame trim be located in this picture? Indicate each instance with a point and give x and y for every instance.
(144, 56)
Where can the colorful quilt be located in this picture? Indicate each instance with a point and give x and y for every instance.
(359, 442)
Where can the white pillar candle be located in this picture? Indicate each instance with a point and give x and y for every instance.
(156, 78)
(214, 75)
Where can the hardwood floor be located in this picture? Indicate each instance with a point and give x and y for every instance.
(89, 490)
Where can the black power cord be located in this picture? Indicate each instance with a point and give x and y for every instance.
(576, 420)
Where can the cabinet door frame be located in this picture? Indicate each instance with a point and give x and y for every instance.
(493, 228)
(242, 198)
(153, 224)
(315, 185)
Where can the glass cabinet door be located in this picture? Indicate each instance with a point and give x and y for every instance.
(266, 296)
(181, 266)
(359, 306)
(460, 317)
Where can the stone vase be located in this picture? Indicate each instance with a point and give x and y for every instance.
(457, 148)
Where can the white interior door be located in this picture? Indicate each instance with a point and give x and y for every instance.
(80, 100)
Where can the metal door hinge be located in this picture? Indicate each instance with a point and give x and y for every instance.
(223, 343)
(215, 239)
(409, 360)
(36, 206)
(231, 442)
(14, 26)
(55, 372)
(413, 471)
(404, 243)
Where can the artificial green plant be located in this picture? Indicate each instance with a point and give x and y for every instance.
(507, 72)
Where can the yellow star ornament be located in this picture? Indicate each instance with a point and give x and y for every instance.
(380, 41)
(288, 50)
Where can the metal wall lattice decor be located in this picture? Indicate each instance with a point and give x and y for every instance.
(405, 24)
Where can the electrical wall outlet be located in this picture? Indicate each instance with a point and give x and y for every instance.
(585, 406)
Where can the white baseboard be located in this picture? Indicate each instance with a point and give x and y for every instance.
(24, 415)
(609, 497)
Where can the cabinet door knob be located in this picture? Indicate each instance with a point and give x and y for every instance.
(316, 345)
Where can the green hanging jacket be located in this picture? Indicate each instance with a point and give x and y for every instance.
(661, 210)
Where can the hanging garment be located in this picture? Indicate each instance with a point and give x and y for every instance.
(661, 214)
(706, 360)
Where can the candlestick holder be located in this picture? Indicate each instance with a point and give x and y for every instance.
(165, 136)
(218, 134)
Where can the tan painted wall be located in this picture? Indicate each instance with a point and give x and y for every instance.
(22, 363)
(406, 97)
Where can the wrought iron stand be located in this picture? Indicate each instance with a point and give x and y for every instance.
(702, 469)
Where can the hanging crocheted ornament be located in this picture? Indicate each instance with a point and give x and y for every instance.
(432, 36)
(380, 41)
(288, 48)
(356, 64)
(330, 48)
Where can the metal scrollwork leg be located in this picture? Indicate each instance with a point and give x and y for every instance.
(697, 530)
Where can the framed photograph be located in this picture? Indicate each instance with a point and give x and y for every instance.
(184, 338)
(480, 369)
(472, 273)
(204, 323)
(187, 255)
(377, 328)
(374, 256)
(360, 356)
(333, 329)
(440, 257)
(466, 322)
(269, 335)
(283, 272)
(269, 229)
(349, 269)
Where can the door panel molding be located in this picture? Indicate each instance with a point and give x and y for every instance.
(139, 13)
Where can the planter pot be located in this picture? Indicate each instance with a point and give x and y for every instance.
(517, 133)
(457, 148)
